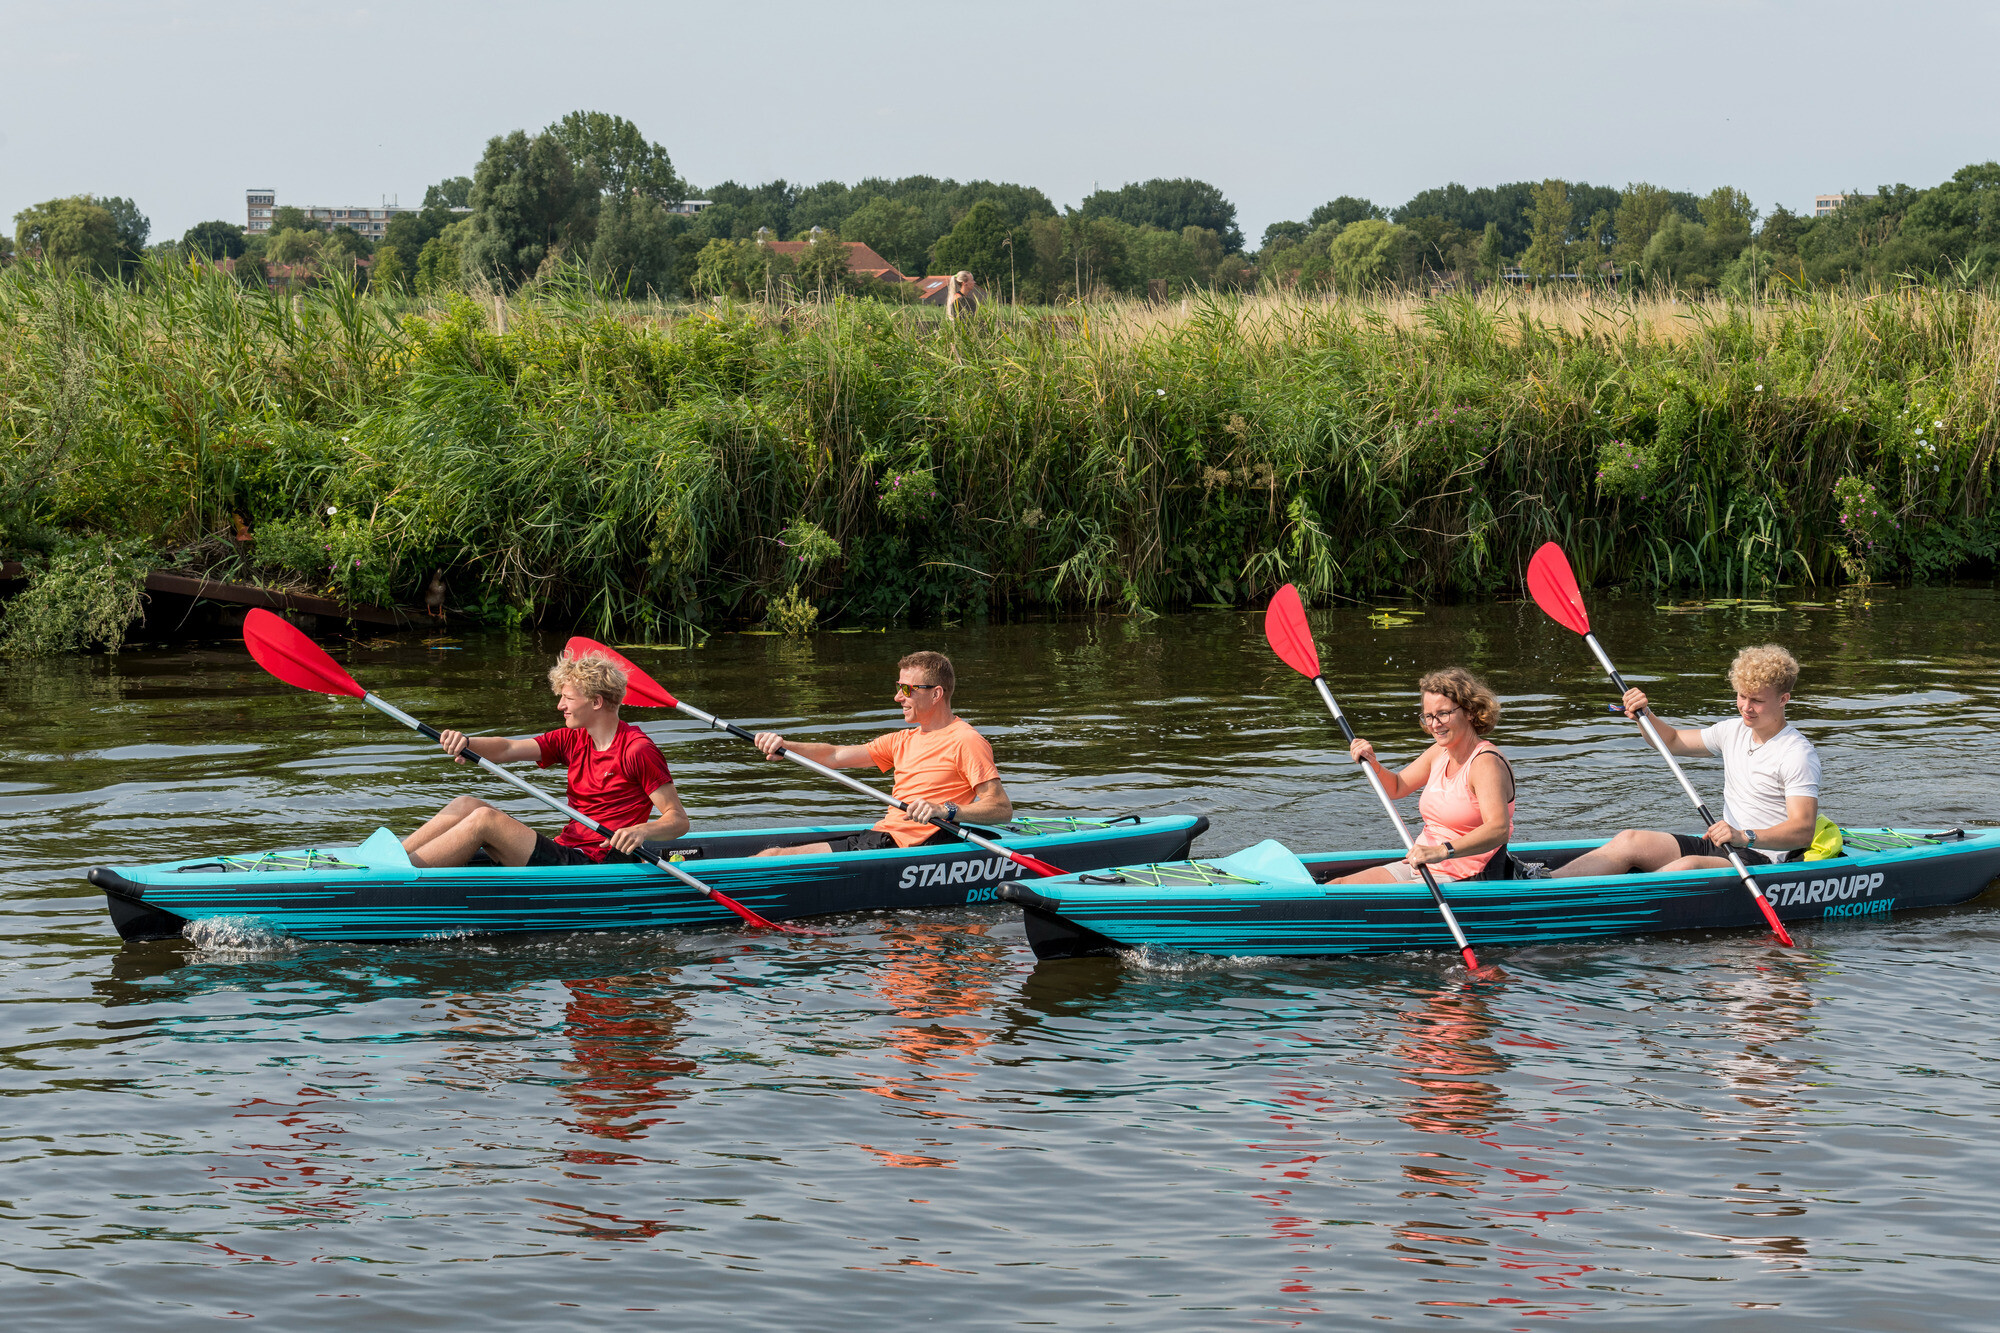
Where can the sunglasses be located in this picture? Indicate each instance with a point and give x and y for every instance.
(905, 691)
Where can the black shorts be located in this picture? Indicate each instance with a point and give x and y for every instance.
(874, 840)
(549, 852)
(1752, 856)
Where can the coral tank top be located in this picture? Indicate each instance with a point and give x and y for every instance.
(1451, 812)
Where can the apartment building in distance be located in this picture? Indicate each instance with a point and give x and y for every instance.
(1830, 203)
(373, 223)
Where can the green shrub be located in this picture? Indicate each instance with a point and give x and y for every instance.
(84, 596)
(293, 546)
(1627, 470)
(808, 546)
(1865, 527)
(906, 498)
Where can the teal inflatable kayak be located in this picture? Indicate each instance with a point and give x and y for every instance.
(1267, 901)
(370, 891)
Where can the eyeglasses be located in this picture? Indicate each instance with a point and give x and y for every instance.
(1438, 718)
(905, 691)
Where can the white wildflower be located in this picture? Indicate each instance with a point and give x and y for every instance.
(333, 509)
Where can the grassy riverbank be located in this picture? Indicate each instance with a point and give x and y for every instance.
(656, 469)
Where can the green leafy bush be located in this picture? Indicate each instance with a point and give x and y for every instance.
(346, 556)
(1865, 527)
(1627, 469)
(908, 497)
(808, 546)
(293, 546)
(84, 596)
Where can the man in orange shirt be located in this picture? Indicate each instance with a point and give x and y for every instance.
(943, 767)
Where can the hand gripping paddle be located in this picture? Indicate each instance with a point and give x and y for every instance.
(1291, 638)
(1552, 584)
(298, 661)
(642, 691)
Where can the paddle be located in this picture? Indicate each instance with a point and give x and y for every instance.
(298, 661)
(1553, 586)
(1291, 638)
(645, 692)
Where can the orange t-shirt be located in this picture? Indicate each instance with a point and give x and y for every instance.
(938, 766)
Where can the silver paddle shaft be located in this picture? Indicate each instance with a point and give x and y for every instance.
(384, 706)
(855, 783)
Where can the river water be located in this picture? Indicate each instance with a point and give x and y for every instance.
(911, 1122)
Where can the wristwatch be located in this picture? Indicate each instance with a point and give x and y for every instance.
(1449, 850)
(953, 807)
(1749, 837)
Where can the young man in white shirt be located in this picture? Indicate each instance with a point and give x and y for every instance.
(1770, 780)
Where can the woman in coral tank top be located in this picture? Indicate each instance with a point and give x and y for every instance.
(1468, 798)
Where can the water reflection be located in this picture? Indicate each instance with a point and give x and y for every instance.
(624, 1035)
(1450, 1063)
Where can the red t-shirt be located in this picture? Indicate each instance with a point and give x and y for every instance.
(614, 786)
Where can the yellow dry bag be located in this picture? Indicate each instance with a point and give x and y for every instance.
(1826, 840)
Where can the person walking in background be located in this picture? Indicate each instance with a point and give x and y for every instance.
(961, 295)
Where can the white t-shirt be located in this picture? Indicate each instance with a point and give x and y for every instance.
(1756, 778)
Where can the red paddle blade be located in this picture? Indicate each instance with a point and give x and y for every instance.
(751, 918)
(293, 658)
(1291, 638)
(641, 690)
(1554, 589)
(1034, 864)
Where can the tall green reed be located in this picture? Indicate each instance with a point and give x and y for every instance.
(634, 465)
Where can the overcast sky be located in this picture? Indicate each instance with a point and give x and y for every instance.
(182, 106)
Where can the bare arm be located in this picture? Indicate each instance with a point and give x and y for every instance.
(1680, 740)
(668, 823)
(1398, 785)
(500, 749)
(833, 756)
(1788, 835)
(990, 804)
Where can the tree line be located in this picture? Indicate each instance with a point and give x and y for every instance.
(591, 193)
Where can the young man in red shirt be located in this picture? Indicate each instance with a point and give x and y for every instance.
(943, 767)
(617, 776)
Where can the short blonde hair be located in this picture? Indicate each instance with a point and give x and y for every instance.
(1765, 667)
(1482, 707)
(592, 677)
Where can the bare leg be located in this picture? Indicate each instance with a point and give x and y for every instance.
(505, 838)
(803, 849)
(1634, 849)
(444, 820)
(1696, 863)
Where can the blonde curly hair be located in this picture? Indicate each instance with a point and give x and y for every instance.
(1764, 667)
(591, 677)
(1482, 707)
